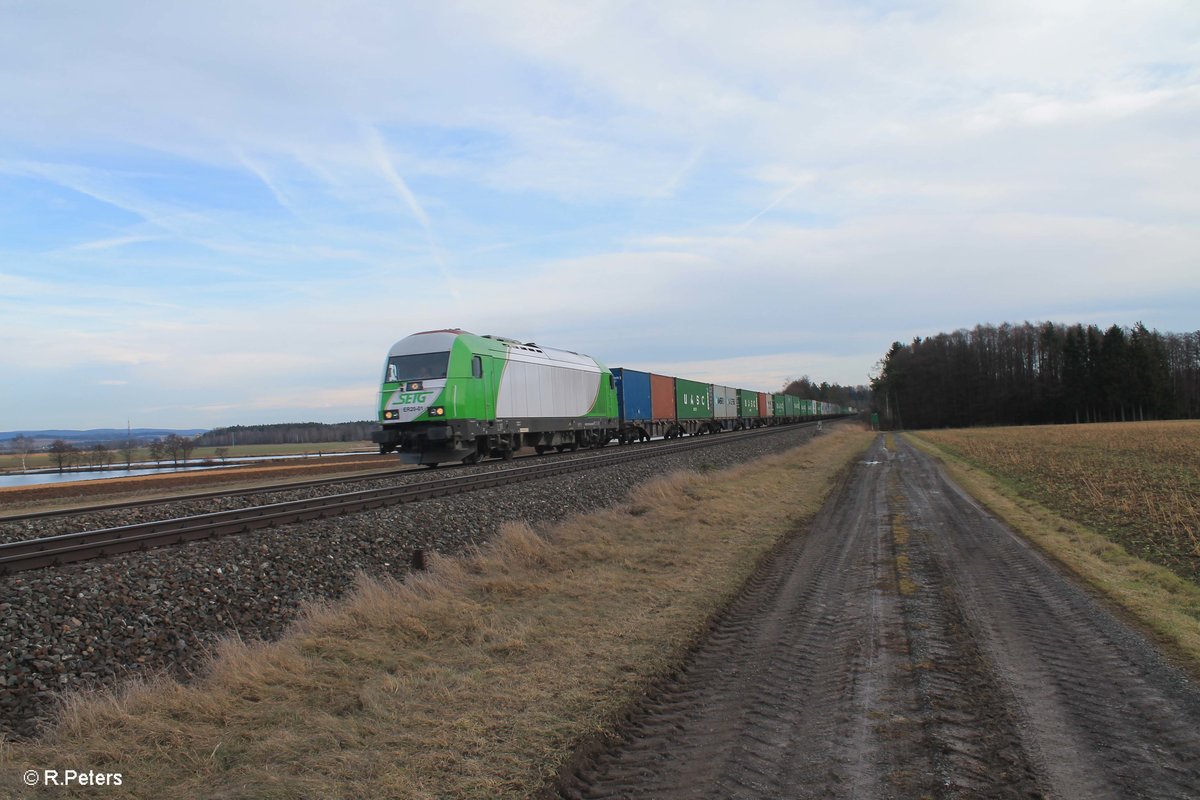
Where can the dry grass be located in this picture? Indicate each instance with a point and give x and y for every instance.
(472, 680)
(897, 509)
(1136, 483)
(1166, 603)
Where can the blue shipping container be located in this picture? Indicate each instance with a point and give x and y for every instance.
(633, 394)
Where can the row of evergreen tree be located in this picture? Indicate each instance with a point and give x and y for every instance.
(288, 433)
(1039, 373)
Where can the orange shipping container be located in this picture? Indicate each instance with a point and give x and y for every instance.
(764, 405)
(662, 396)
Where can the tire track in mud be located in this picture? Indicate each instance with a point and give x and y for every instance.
(1102, 713)
(906, 645)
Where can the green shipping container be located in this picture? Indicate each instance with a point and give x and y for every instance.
(778, 405)
(747, 403)
(693, 400)
(791, 405)
(806, 408)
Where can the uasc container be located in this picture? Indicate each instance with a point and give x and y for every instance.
(747, 403)
(693, 400)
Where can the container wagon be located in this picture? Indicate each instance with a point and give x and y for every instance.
(748, 414)
(693, 407)
(725, 408)
(779, 408)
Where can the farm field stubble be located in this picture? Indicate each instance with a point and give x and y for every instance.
(1137, 484)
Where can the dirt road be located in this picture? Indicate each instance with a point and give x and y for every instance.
(908, 646)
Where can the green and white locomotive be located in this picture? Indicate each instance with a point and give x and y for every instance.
(450, 395)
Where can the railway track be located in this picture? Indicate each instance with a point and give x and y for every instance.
(67, 548)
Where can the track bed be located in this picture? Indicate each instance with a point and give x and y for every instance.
(908, 645)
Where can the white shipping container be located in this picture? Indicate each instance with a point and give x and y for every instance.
(724, 402)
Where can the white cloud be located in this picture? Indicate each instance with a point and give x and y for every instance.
(258, 199)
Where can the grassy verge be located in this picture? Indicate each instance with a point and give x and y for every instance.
(475, 679)
(1165, 603)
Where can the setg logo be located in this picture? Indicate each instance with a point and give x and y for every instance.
(411, 398)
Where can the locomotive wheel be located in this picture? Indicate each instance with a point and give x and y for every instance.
(473, 458)
(541, 449)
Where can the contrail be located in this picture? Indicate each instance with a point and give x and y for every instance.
(384, 162)
(772, 204)
(263, 176)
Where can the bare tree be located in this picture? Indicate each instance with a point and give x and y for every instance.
(173, 447)
(62, 454)
(158, 451)
(21, 445)
(99, 455)
(186, 446)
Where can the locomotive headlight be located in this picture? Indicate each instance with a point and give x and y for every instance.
(437, 411)
(391, 414)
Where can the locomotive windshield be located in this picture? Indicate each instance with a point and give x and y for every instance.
(419, 367)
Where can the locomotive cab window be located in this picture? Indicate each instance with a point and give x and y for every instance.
(422, 366)
(476, 366)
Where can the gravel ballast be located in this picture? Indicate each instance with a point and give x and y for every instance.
(94, 623)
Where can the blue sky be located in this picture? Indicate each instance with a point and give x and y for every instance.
(225, 213)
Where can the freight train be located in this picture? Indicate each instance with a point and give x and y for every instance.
(449, 395)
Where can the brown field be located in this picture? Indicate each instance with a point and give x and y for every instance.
(11, 462)
(51, 496)
(476, 679)
(1137, 484)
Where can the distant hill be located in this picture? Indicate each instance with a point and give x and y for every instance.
(98, 434)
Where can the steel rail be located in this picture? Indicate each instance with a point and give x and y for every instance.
(70, 547)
